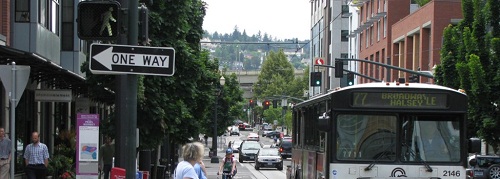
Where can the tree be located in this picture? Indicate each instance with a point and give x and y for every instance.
(276, 73)
(470, 51)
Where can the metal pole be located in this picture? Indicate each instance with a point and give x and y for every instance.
(126, 118)
(13, 120)
(214, 158)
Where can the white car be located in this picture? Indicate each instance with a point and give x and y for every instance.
(253, 137)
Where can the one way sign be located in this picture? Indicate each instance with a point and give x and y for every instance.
(124, 59)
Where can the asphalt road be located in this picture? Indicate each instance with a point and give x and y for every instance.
(246, 169)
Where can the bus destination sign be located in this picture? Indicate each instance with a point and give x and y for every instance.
(413, 100)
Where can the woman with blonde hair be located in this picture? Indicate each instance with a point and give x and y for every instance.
(192, 154)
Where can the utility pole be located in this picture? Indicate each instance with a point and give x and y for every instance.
(126, 97)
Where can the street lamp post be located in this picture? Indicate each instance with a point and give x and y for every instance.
(214, 158)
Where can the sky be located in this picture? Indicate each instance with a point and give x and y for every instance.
(283, 19)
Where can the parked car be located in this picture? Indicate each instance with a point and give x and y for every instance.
(234, 131)
(253, 137)
(268, 158)
(285, 148)
(483, 167)
(248, 150)
(236, 145)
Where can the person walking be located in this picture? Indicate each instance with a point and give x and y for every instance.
(106, 154)
(36, 158)
(192, 153)
(5, 149)
(200, 170)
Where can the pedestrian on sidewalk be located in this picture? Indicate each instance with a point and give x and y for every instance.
(5, 148)
(206, 139)
(200, 169)
(36, 158)
(106, 154)
(192, 154)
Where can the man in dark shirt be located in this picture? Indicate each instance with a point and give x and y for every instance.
(106, 154)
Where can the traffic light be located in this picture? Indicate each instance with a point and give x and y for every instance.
(339, 69)
(265, 104)
(275, 103)
(414, 78)
(350, 79)
(98, 20)
(251, 103)
(316, 78)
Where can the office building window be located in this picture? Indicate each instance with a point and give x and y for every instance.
(367, 37)
(378, 30)
(22, 10)
(49, 14)
(67, 32)
(371, 35)
(345, 11)
(344, 34)
(385, 26)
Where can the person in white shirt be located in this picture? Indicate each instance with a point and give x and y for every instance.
(192, 153)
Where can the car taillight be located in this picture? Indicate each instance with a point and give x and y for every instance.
(281, 149)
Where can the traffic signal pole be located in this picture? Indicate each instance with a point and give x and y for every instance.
(388, 66)
(379, 64)
(359, 74)
(126, 97)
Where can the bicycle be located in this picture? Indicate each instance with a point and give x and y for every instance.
(225, 175)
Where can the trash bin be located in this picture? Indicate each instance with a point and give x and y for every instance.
(160, 174)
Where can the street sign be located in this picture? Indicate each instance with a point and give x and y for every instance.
(125, 59)
(319, 61)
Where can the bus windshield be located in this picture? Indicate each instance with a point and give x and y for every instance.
(420, 138)
(431, 139)
(366, 137)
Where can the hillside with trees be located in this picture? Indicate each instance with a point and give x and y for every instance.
(241, 51)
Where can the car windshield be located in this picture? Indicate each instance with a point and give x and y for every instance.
(250, 146)
(268, 152)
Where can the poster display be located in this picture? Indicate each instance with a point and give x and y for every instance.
(87, 151)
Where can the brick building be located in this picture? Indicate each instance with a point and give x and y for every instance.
(402, 34)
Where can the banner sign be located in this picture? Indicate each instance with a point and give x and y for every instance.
(53, 95)
(87, 149)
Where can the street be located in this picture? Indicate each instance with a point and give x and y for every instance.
(246, 170)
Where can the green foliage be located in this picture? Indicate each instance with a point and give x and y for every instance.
(62, 161)
(250, 54)
(470, 51)
(272, 114)
(422, 2)
(277, 78)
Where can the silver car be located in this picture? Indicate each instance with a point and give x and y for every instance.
(268, 158)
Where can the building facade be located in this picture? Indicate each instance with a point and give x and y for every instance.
(417, 38)
(37, 34)
(402, 34)
(329, 40)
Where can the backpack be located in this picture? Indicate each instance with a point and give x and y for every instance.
(228, 164)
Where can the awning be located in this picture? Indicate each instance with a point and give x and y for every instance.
(43, 70)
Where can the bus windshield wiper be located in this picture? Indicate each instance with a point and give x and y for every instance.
(369, 167)
(414, 154)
